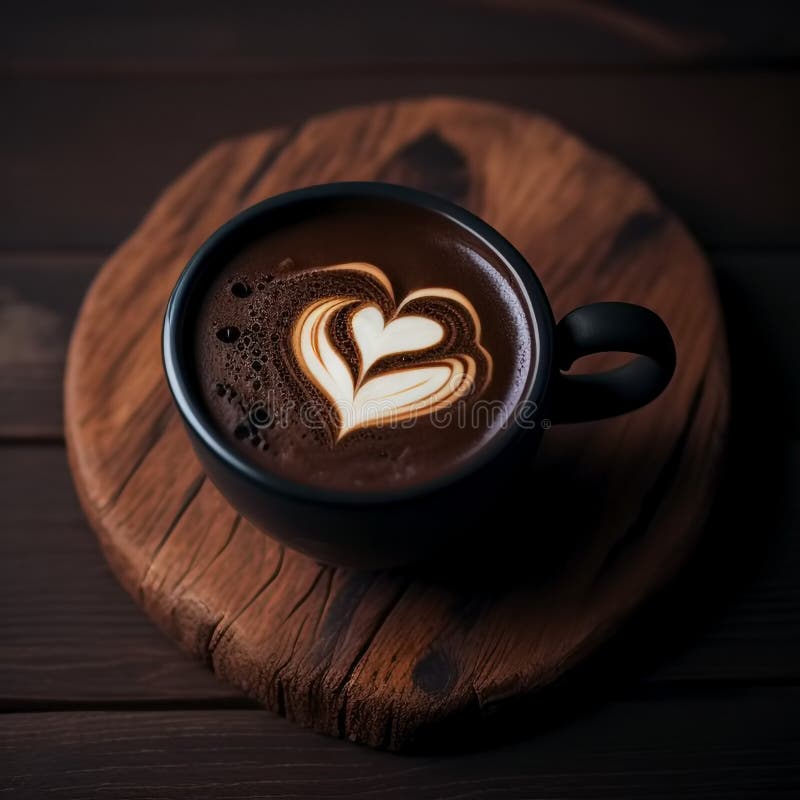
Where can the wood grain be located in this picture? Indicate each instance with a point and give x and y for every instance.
(425, 34)
(39, 299)
(104, 148)
(732, 743)
(388, 659)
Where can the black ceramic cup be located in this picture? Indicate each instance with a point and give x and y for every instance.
(389, 528)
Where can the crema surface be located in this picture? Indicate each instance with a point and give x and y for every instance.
(370, 347)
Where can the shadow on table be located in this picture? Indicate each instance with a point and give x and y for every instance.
(740, 531)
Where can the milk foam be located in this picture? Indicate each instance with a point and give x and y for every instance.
(408, 390)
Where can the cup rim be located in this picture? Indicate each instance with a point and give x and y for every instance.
(198, 419)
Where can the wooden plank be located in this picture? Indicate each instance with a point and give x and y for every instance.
(68, 611)
(40, 294)
(732, 615)
(70, 635)
(84, 158)
(732, 743)
(39, 298)
(137, 37)
(759, 292)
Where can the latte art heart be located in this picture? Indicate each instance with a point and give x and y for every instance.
(408, 364)
(376, 339)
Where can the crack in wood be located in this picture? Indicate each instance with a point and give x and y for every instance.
(365, 645)
(228, 540)
(153, 437)
(195, 555)
(188, 499)
(220, 633)
(279, 669)
(326, 598)
(339, 610)
(302, 599)
(204, 651)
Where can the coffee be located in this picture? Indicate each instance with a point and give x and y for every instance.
(368, 345)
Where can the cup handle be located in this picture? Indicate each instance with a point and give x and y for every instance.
(610, 327)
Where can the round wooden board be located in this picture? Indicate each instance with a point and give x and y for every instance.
(613, 508)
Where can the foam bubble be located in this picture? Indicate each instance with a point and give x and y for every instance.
(228, 334)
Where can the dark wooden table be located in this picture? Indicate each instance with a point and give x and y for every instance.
(701, 696)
